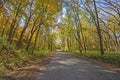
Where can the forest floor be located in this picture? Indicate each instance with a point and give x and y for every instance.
(62, 66)
(29, 70)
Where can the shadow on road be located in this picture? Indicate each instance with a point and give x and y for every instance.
(67, 67)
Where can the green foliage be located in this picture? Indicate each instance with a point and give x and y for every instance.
(10, 56)
(108, 57)
(4, 44)
(1, 69)
(2, 41)
(34, 26)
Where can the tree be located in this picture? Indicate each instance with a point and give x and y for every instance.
(98, 28)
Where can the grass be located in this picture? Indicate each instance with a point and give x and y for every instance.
(17, 58)
(10, 56)
(108, 57)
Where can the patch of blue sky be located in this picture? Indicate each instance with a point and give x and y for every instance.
(22, 21)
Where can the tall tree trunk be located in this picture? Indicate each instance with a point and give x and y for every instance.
(79, 44)
(31, 36)
(36, 37)
(81, 29)
(18, 45)
(3, 32)
(68, 45)
(13, 25)
(98, 28)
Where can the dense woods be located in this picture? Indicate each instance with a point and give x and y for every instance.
(91, 25)
(36, 27)
(26, 30)
(28, 24)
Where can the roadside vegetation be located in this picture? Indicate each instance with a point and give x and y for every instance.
(92, 30)
(26, 31)
(108, 57)
(35, 28)
(10, 57)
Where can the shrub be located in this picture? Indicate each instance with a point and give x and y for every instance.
(108, 57)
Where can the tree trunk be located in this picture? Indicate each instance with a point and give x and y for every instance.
(18, 45)
(36, 39)
(98, 28)
(11, 31)
(31, 36)
(68, 45)
(2, 34)
(13, 25)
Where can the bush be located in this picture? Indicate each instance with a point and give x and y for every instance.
(10, 56)
(108, 57)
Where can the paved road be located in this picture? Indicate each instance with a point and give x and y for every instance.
(67, 67)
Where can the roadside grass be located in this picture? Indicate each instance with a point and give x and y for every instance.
(108, 57)
(11, 57)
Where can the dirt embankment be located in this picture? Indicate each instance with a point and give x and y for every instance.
(29, 70)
